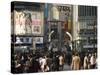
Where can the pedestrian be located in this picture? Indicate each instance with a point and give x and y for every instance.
(75, 62)
(96, 60)
(42, 63)
(30, 63)
(18, 66)
(61, 62)
(93, 61)
(47, 64)
(50, 63)
(85, 63)
(35, 65)
(53, 67)
(27, 65)
(89, 56)
(57, 63)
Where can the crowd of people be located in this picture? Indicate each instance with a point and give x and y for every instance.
(29, 62)
(89, 61)
(41, 62)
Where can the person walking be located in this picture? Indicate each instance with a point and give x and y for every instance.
(43, 63)
(85, 63)
(89, 56)
(27, 66)
(55, 66)
(93, 61)
(18, 66)
(61, 62)
(75, 62)
(46, 65)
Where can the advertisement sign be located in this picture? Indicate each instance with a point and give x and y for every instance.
(28, 22)
(19, 22)
(37, 23)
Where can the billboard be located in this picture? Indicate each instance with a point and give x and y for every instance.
(28, 22)
(37, 23)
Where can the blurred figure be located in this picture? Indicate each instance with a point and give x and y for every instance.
(89, 56)
(46, 65)
(35, 65)
(61, 62)
(27, 66)
(18, 66)
(96, 60)
(55, 61)
(93, 61)
(85, 64)
(75, 62)
(43, 63)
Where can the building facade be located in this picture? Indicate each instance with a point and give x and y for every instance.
(27, 29)
(87, 17)
(59, 22)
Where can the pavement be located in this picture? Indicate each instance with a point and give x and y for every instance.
(67, 67)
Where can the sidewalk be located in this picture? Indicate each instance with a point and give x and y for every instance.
(67, 67)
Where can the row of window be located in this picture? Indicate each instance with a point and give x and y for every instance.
(87, 10)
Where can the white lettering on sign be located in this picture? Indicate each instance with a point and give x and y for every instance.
(64, 8)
